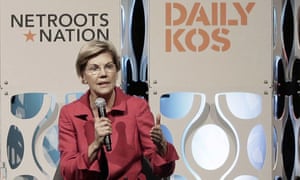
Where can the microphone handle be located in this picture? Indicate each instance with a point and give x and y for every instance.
(107, 140)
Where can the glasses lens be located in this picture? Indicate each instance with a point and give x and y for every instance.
(110, 67)
(95, 69)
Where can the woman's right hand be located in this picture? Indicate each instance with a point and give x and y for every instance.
(102, 128)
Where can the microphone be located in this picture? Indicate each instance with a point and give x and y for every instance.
(100, 103)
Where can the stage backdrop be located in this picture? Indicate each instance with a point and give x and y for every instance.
(39, 45)
(208, 66)
(210, 76)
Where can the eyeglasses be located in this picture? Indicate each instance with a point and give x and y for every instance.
(95, 69)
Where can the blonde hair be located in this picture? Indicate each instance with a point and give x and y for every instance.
(92, 49)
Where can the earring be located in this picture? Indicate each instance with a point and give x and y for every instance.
(84, 81)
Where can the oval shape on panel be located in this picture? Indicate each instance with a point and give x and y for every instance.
(246, 177)
(50, 146)
(167, 133)
(15, 147)
(25, 177)
(256, 147)
(275, 147)
(210, 147)
(27, 105)
(176, 105)
(244, 105)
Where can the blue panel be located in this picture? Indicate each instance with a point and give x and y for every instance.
(15, 147)
(176, 105)
(26, 105)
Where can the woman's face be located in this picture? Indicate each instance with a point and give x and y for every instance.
(101, 75)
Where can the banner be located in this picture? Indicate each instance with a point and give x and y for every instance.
(210, 75)
(40, 41)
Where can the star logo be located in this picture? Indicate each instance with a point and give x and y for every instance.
(29, 36)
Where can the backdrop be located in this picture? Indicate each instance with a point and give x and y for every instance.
(224, 76)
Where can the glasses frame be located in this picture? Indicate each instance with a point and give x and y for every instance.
(95, 69)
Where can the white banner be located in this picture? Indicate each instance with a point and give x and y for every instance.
(39, 45)
(210, 74)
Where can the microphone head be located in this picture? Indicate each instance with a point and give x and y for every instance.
(100, 102)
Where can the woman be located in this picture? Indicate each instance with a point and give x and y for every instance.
(129, 123)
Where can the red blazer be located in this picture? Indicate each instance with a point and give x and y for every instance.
(131, 123)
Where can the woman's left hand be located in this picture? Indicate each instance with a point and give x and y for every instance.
(158, 138)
